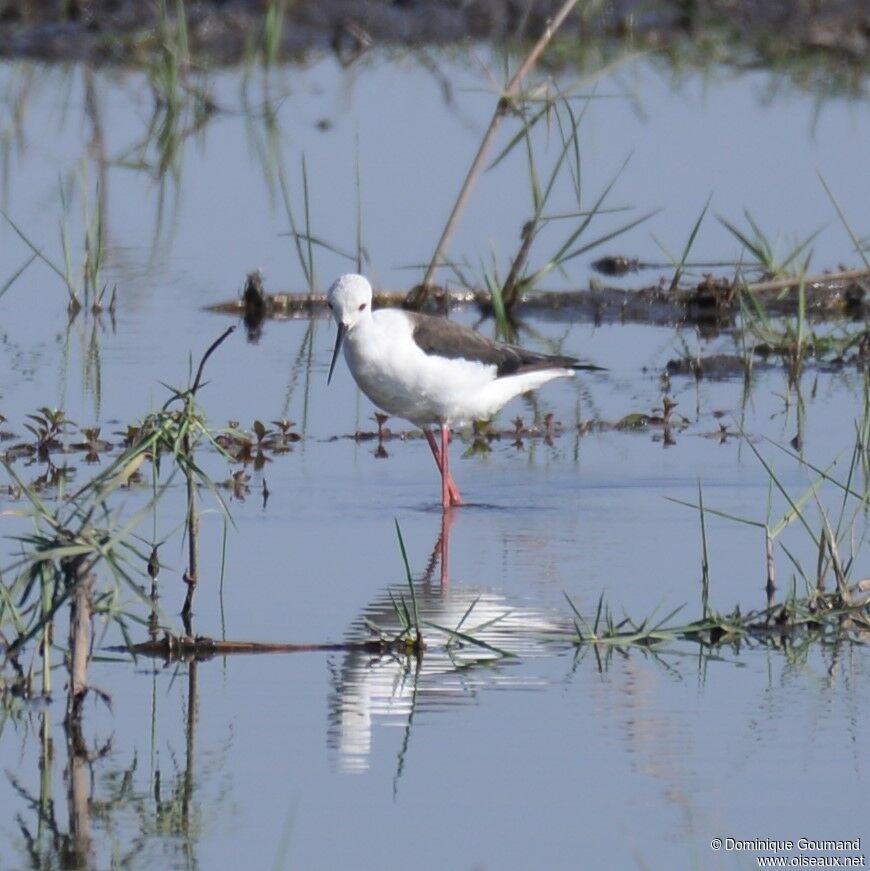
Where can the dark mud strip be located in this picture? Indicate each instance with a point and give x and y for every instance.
(223, 31)
(201, 647)
(715, 302)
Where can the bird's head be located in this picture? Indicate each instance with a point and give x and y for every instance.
(349, 299)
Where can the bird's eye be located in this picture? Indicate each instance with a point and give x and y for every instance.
(362, 305)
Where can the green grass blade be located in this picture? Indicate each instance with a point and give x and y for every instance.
(855, 241)
(689, 242)
(15, 275)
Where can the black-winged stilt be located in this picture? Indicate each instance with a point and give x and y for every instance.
(432, 371)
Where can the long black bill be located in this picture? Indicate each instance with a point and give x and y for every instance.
(342, 329)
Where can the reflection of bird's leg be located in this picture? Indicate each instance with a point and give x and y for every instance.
(449, 491)
(439, 551)
(444, 543)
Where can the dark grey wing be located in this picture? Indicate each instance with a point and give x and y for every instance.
(448, 339)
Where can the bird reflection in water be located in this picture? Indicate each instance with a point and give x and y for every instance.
(463, 626)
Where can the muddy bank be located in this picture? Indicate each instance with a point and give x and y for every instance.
(713, 301)
(224, 32)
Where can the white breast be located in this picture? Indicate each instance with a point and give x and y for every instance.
(394, 372)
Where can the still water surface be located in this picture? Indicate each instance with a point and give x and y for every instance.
(349, 760)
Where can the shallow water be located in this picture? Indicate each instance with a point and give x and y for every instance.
(551, 758)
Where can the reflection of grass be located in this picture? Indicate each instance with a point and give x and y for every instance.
(65, 275)
(719, 49)
(140, 814)
(303, 241)
(273, 28)
(808, 47)
(181, 106)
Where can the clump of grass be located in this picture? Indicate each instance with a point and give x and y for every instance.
(85, 289)
(521, 278)
(525, 273)
(410, 636)
(818, 613)
(815, 617)
(52, 434)
(793, 340)
(764, 252)
(60, 557)
(503, 108)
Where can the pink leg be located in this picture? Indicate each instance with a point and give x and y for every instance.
(450, 495)
(445, 471)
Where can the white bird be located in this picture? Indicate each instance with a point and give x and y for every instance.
(432, 371)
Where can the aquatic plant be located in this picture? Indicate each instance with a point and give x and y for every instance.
(502, 110)
(59, 559)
